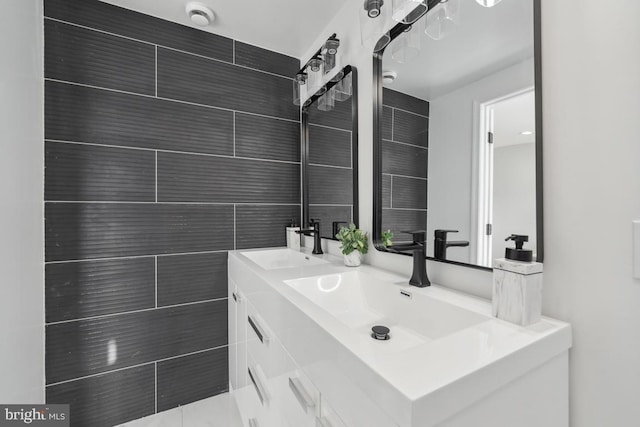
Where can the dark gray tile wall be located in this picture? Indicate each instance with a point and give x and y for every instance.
(109, 399)
(165, 147)
(405, 133)
(252, 221)
(190, 378)
(330, 170)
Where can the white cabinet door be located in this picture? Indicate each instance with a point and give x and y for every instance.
(237, 337)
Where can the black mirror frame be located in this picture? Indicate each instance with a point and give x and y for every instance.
(377, 134)
(304, 138)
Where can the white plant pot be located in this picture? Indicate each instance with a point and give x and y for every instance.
(354, 259)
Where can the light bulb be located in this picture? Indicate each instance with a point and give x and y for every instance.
(488, 3)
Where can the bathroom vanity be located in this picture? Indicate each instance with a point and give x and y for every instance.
(301, 351)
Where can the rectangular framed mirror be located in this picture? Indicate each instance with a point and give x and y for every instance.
(458, 129)
(329, 136)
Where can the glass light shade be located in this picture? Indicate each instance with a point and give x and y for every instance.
(442, 20)
(296, 93)
(326, 102)
(488, 3)
(329, 62)
(343, 89)
(403, 8)
(407, 45)
(314, 81)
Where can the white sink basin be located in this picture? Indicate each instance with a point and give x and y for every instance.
(361, 300)
(273, 259)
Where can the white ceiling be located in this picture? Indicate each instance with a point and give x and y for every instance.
(285, 26)
(485, 41)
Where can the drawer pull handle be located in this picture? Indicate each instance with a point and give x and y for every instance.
(253, 422)
(262, 393)
(323, 422)
(301, 394)
(257, 329)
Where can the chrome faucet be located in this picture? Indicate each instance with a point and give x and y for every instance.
(314, 231)
(418, 248)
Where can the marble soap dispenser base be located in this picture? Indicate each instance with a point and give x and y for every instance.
(517, 291)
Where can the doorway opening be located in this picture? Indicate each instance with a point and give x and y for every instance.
(506, 190)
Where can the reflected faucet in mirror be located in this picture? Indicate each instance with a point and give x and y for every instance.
(440, 243)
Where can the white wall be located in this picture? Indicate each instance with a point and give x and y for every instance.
(453, 136)
(21, 203)
(591, 95)
(591, 103)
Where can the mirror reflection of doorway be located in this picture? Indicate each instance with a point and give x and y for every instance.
(507, 184)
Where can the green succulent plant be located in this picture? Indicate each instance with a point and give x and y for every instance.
(352, 238)
(386, 238)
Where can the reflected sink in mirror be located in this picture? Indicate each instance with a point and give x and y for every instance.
(273, 259)
(361, 300)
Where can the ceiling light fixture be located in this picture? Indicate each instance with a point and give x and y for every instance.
(388, 77)
(526, 132)
(200, 14)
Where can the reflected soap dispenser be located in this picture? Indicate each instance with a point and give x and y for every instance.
(517, 285)
(293, 239)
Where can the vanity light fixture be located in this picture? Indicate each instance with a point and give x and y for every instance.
(373, 7)
(199, 14)
(312, 72)
(488, 3)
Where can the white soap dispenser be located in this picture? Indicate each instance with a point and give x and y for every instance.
(293, 238)
(517, 285)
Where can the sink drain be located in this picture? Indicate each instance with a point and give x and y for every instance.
(380, 333)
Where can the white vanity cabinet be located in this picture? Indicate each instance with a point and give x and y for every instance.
(302, 354)
(269, 387)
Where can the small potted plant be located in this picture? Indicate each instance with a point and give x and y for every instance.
(386, 238)
(354, 244)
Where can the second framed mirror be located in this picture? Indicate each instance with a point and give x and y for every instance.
(330, 154)
(458, 131)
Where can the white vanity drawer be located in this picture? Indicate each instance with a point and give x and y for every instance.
(260, 341)
(262, 397)
(328, 417)
(249, 406)
(298, 400)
